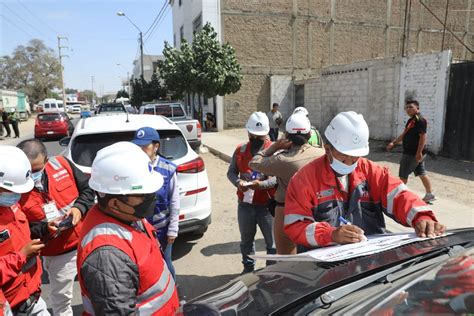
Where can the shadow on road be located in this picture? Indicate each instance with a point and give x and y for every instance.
(448, 167)
(191, 286)
(232, 247)
(184, 244)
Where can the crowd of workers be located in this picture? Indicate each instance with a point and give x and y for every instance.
(115, 228)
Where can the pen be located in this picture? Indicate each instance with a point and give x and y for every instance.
(344, 221)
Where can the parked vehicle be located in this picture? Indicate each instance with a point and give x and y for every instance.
(110, 109)
(53, 105)
(53, 125)
(94, 133)
(175, 111)
(422, 278)
(74, 108)
(13, 101)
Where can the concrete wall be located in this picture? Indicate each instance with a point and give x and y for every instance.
(282, 92)
(298, 38)
(378, 90)
(425, 78)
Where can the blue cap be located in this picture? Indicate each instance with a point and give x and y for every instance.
(145, 135)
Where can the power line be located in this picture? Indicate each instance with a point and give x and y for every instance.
(16, 26)
(26, 22)
(37, 17)
(158, 24)
(156, 18)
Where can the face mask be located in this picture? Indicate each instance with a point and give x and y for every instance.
(145, 208)
(256, 143)
(341, 168)
(9, 198)
(36, 176)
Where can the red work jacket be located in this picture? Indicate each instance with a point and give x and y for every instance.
(19, 278)
(315, 199)
(63, 191)
(243, 156)
(157, 293)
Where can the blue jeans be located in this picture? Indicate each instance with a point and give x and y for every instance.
(167, 250)
(249, 216)
(273, 134)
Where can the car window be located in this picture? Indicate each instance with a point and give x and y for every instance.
(111, 108)
(60, 106)
(149, 111)
(48, 117)
(177, 110)
(46, 105)
(84, 148)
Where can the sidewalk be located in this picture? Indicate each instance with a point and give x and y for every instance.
(452, 180)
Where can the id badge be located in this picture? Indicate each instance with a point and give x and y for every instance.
(51, 211)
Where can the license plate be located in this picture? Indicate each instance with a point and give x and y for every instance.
(49, 132)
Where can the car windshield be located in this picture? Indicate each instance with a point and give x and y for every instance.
(111, 108)
(85, 147)
(48, 117)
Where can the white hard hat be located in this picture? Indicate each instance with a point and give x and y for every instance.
(123, 168)
(349, 134)
(298, 123)
(301, 110)
(15, 170)
(258, 124)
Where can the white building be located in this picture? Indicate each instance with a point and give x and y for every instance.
(189, 16)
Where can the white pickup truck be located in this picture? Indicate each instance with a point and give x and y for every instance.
(175, 111)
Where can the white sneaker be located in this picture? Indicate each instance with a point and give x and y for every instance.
(429, 197)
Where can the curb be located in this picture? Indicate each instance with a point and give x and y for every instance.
(218, 153)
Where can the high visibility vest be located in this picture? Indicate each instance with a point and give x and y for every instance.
(15, 234)
(243, 157)
(157, 293)
(5, 309)
(161, 216)
(63, 191)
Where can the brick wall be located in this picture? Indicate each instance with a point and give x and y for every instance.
(378, 90)
(299, 37)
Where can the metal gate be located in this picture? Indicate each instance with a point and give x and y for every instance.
(458, 140)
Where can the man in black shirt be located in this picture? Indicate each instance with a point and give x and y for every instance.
(414, 141)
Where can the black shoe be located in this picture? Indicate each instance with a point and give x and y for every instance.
(8, 135)
(248, 269)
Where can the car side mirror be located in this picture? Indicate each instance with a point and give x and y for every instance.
(65, 141)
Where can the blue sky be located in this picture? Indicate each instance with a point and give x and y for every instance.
(99, 39)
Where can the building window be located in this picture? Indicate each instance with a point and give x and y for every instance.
(179, 2)
(181, 34)
(174, 40)
(197, 23)
(299, 95)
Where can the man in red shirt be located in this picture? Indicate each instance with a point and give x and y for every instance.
(20, 267)
(341, 188)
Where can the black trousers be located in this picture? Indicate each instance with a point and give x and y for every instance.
(273, 134)
(7, 128)
(15, 128)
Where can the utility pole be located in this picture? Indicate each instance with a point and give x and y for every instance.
(61, 66)
(141, 54)
(92, 95)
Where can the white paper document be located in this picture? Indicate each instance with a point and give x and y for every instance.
(374, 244)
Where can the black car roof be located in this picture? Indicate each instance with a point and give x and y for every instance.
(277, 289)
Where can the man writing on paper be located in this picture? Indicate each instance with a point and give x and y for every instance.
(343, 184)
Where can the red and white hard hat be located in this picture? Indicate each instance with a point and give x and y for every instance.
(258, 124)
(298, 123)
(348, 132)
(15, 170)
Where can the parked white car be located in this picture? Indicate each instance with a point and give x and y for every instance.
(53, 105)
(94, 133)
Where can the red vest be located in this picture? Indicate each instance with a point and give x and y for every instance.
(157, 293)
(63, 191)
(4, 305)
(28, 281)
(243, 157)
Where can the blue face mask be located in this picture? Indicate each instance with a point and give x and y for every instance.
(36, 176)
(341, 168)
(9, 198)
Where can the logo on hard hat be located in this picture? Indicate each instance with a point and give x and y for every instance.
(120, 178)
(355, 139)
(140, 133)
(259, 124)
(2, 174)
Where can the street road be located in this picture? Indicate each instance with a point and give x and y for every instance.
(202, 263)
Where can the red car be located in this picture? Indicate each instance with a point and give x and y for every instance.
(53, 125)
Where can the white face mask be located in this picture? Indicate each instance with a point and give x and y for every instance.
(341, 168)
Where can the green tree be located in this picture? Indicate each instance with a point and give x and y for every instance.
(33, 68)
(122, 94)
(137, 93)
(70, 90)
(86, 95)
